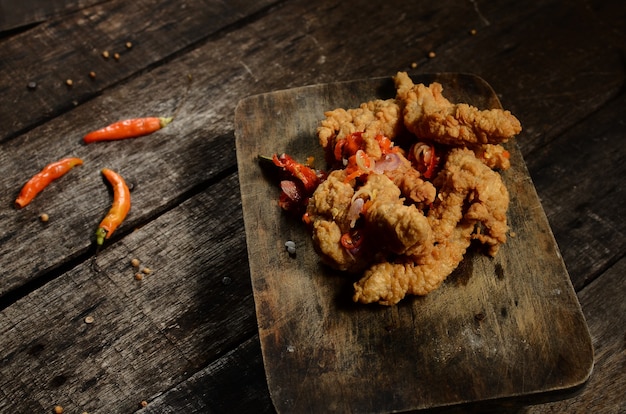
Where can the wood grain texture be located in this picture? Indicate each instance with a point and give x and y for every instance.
(194, 306)
(16, 14)
(604, 306)
(319, 348)
(590, 199)
(235, 383)
(71, 47)
(557, 64)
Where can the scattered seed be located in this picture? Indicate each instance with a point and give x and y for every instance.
(32, 85)
(58, 409)
(135, 262)
(291, 246)
(69, 82)
(128, 45)
(431, 54)
(144, 403)
(413, 65)
(92, 74)
(44, 217)
(146, 270)
(138, 276)
(116, 56)
(89, 319)
(472, 32)
(105, 54)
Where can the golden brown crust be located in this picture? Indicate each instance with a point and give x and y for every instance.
(429, 115)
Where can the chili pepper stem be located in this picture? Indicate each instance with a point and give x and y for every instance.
(165, 121)
(100, 236)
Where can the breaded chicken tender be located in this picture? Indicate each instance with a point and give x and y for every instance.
(413, 183)
(377, 117)
(472, 204)
(429, 115)
(391, 226)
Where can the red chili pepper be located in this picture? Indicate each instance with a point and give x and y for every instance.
(41, 180)
(348, 146)
(129, 128)
(119, 208)
(358, 165)
(424, 158)
(305, 174)
(351, 241)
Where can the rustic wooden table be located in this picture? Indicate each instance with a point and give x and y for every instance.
(79, 331)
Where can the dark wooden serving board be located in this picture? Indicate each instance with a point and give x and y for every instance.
(502, 327)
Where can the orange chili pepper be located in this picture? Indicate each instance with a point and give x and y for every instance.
(41, 180)
(119, 208)
(129, 128)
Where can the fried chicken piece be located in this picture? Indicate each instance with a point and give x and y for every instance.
(377, 117)
(410, 182)
(398, 228)
(389, 225)
(387, 283)
(493, 156)
(471, 197)
(429, 115)
(328, 210)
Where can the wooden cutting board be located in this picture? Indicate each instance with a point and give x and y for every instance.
(509, 326)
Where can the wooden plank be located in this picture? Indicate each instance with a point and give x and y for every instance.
(225, 70)
(146, 336)
(586, 216)
(235, 383)
(522, 56)
(605, 310)
(71, 47)
(603, 305)
(320, 350)
(16, 14)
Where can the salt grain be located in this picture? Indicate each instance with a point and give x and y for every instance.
(291, 246)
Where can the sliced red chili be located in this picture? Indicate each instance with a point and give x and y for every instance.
(352, 240)
(307, 176)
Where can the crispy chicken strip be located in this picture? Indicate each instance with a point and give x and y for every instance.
(471, 196)
(372, 118)
(429, 115)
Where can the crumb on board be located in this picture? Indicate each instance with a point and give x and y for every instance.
(135, 262)
(431, 54)
(138, 276)
(58, 409)
(116, 56)
(105, 54)
(92, 74)
(69, 82)
(144, 403)
(44, 217)
(129, 45)
(290, 245)
(89, 320)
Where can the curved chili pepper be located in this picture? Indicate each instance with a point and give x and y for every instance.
(119, 208)
(41, 180)
(129, 128)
